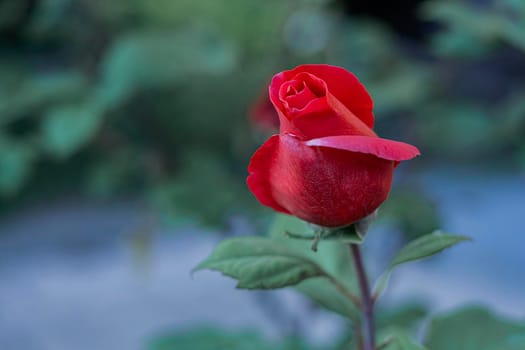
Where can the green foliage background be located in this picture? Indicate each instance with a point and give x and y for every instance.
(150, 97)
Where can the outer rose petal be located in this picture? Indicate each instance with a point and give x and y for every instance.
(325, 186)
(382, 148)
(341, 84)
(259, 168)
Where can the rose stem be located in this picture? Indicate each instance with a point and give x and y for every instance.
(367, 304)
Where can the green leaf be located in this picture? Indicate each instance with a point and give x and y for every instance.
(419, 248)
(475, 328)
(397, 339)
(426, 246)
(332, 257)
(260, 263)
(326, 295)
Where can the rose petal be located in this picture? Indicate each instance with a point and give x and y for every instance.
(295, 96)
(340, 83)
(326, 117)
(328, 187)
(259, 168)
(346, 88)
(382, 148)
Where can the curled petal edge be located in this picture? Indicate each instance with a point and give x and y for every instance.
(341, 83)
(379, 147)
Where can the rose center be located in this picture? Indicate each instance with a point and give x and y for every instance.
(297, 93)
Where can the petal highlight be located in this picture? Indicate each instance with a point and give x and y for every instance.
(381, 148)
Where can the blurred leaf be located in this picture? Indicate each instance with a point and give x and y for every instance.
(469, 129)
(475, 329)
(203, 189)
(484, 24)
(411, 211)
(217, 339)
(22, 94)
(414, 80)
(512, 32)
(333, 257)
(230, 18)
(401, 316)
(471, 28)
(16, 160)
(307, 31)
(328, 296)
(397, 339)
(48, 13)
(459, 43)
(512, 126)
(260, 263)
(65, 129)
(118, 170)
(375, 44)
(148, 59)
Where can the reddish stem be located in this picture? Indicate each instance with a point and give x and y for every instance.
(367, 304)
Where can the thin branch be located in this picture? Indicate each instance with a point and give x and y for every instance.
(367, 304)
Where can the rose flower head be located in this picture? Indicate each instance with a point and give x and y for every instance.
(326, 166)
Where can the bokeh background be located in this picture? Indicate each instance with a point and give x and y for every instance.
(126, 127)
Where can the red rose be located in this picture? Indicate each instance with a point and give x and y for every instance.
(327, 166)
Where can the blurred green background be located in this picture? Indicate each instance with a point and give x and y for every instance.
(152, 101)
(110, 98)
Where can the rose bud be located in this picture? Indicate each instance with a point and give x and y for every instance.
(326, 166)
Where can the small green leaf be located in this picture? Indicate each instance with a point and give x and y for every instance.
(260, 263)
(475, 329)
(419, 248)
(426, 246)
(345, 235)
